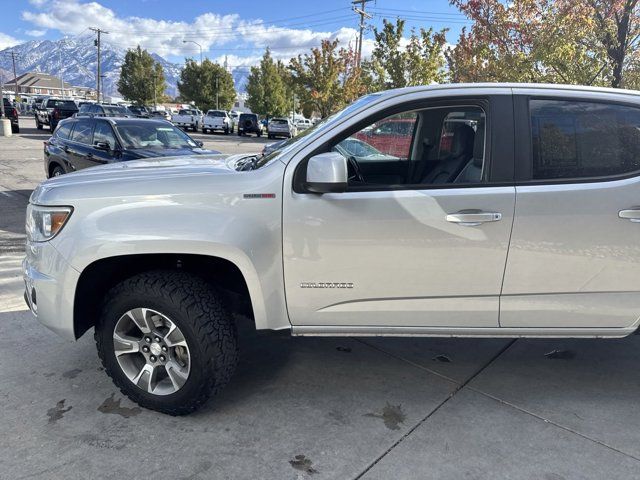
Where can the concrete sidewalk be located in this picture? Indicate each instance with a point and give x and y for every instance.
(332, 408)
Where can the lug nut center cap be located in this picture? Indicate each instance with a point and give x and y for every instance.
(155, 348)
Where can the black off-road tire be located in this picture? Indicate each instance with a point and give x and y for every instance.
(195, 307)
(15, 129)
(57, 171)
(38, 125)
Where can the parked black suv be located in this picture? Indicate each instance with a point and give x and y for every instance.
(249, 123)
(101, 110)
(82, 142)
(140, 111)
(11, 113)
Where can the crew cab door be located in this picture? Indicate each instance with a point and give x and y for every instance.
(575, 252)
(423, 245)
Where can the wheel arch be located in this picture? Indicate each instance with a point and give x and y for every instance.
(97, 278)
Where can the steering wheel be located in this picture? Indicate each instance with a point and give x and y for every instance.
(355, 174)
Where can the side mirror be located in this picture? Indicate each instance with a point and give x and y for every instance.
(102, 146)
(199, 143)
(327, 173)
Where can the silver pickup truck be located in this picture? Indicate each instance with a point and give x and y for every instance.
(502, 210)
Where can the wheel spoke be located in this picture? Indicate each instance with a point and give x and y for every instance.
(175, 338)
(142, 318)
(124, 344)
(146, 378)
(177, 375)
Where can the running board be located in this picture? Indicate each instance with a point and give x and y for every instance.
(367, 331)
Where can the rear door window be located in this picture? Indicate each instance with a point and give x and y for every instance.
(576, 139)
(83, 131)
(63, 130)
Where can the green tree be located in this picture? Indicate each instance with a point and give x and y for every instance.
(266, 88)
(396, 64)
(137, 75)
(208, 85)
(326, 79)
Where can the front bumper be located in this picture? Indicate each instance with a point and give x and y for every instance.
(50, 285)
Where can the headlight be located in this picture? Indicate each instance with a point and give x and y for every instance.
(43, 223)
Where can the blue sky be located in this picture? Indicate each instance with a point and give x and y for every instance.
(239, 29)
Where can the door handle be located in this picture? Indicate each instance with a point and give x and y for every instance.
(632, 214)
(473, 218)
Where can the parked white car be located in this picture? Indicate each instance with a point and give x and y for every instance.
(507, 210)
(303, 124)
(188, 118)
(281, 127)
(217, 120)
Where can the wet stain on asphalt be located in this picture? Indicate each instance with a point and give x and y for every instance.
(101, 442)
(344, 349)
(302, 463)
(57, 412)
(110, 405)
(338, 417)
(441, 358)
(72, 373)
(392, 416)
(48, 375)
(560, 355)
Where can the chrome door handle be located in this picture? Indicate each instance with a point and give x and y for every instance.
(473, 218)
(632, 214)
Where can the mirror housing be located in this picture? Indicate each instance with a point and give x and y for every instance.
(327, 173)
(102, 146)
(199, 143)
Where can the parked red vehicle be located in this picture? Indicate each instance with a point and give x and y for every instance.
(391, 136)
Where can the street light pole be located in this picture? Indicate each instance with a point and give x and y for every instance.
(200, 46)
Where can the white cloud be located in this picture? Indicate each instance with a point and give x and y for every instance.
(35, 33)
(37, 3)
(244, 40)
(8, 41)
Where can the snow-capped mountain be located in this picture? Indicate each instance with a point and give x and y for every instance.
(75, 59)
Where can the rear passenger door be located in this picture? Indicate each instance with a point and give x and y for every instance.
(78, 148)
(574, 258)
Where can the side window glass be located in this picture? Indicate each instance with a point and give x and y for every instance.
(423, 148)
(574, 139)
(82, 131)
(63, 130)
(104, 133)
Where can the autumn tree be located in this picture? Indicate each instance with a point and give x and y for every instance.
(591, 42)
(326, 79)
(397, 62)
(266, 89)
(141, 78)
(209, 85)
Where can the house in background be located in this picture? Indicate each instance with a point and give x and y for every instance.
(35, 83)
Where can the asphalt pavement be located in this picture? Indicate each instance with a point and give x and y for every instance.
(321, 408)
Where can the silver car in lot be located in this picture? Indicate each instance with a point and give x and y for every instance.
(281, 127)
(505, 210)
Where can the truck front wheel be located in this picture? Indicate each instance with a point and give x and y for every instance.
(167, 341)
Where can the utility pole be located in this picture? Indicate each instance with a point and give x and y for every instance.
(61, 74)
(155, 101)
(16, 89)
(1, 96)
(360, 11)
(217, 92)
(97, 44)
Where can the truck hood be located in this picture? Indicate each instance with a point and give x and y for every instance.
(170, 152)
(150, 176)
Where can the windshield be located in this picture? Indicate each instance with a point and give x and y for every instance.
(152, 135)
(318, 127)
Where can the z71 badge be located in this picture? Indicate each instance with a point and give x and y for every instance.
(326, 285)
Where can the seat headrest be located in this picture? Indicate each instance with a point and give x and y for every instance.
(462, 143)
(478, 145)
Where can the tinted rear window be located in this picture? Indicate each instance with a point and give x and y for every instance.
(214, 113)
(113, 110)
(83, 131)
(583, 139)
(186, 112)
(63, 104)
(279, 121)
(63, 130)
